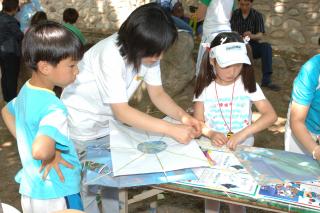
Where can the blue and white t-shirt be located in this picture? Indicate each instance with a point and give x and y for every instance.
(38, 111)
(306, 91)
(217, 110)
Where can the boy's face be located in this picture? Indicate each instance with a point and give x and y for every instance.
(64, 73)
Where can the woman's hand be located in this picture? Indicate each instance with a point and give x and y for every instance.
(182, 133)
(54, 163)
(191, 121)
(218, 138)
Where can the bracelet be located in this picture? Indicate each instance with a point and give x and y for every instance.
(314, 152)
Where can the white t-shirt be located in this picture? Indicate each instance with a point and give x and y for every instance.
(218, 17)
(241, 107)
(104, 78)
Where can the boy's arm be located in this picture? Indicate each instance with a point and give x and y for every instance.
(43, 148)
(9, 120)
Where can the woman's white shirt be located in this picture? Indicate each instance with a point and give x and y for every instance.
(104, 78)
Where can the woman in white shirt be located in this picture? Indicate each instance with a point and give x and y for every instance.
(110, 72)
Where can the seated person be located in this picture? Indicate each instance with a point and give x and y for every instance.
(248, 22)
(303, 121)
(70, 17)
(174, 7)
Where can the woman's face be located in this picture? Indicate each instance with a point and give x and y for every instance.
(228, 74)
(150, 60)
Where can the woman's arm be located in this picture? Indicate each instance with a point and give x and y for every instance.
(267, 118)
(9, 120)
(298, 114)
(166, 105)
(126, 114)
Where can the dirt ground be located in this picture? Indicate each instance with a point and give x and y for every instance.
(285, 68)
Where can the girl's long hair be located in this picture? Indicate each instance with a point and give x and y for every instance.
(207, 74)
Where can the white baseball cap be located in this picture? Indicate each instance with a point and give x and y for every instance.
(230, 53)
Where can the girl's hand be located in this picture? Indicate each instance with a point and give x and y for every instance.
(195, 123)
(54, 163)
(182, 133)
(236, 139)
(218, 138)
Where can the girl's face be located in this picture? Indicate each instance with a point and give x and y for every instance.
(150, 60)
(228, 74)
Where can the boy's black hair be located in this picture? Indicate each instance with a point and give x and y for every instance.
(148, 31)
(51, 42)
(10, 5)
(207, 75)
(70, 15)
(38, 17)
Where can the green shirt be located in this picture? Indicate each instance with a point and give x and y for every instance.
(207, 2)
(76, 31)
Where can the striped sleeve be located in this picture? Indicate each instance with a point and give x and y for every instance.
(259, 23)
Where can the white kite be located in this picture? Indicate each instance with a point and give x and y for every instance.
(134, 151)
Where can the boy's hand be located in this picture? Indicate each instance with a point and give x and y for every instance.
(54, 163)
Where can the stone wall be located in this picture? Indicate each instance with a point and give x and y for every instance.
(291, 25)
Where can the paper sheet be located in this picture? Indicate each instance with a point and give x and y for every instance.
(134, 151)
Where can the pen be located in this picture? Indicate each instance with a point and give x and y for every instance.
(210, 160)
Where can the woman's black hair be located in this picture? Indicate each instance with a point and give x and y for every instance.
(51, 42)
(207, 75)
(148, 31)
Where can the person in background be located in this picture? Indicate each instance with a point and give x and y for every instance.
(216, 15)
(38, 120)
(70, 17)
(27, 10)
(249, 22)
(224, 93)
(110, 72)
(10, 49)
(302, 133)
(174, 7)
(38, 17)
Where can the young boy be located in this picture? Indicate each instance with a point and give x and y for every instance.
(38, 120)
(70, 17)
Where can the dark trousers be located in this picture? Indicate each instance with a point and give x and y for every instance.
(10, 67)
(264, 51)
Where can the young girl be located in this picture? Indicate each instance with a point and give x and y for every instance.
(224, 93)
